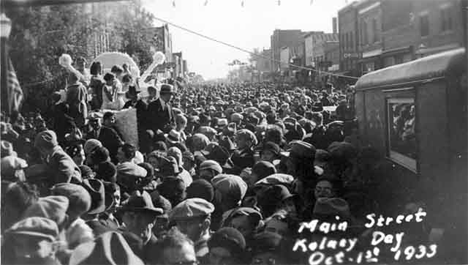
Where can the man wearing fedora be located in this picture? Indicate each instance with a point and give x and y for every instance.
(160, 114)
(139, 216)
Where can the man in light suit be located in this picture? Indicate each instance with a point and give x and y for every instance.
(160, 114)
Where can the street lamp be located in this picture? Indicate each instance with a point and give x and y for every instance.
(5, 29)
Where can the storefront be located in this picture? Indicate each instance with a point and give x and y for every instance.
(397, 56)
(371, 61)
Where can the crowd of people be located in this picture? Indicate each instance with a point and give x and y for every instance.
(221, 174)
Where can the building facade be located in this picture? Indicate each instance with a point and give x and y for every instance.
(309, 42)
(416, 29)
(370, 35)
(178, 69)
(379, 33)
(321, 43)
(280, 39)
(332, 55)
(163, 41)
(438, 26)
(349, 40)
(284, 59)
(262, 65)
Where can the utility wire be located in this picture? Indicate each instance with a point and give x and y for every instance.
(249, 52)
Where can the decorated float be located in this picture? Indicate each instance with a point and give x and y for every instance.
(126, 119)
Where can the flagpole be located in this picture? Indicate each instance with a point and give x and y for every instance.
(5, 28)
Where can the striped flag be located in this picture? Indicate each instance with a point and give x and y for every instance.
(14, 92)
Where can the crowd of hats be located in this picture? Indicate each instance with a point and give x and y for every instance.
(252, 161)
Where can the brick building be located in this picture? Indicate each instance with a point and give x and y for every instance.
(379, 33)
(309, 42)
(438, 26)
(370, 34)
(349, 39)
(279, 40)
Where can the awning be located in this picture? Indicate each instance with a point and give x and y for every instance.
(390, 52)
(428, 51)
(372, 53)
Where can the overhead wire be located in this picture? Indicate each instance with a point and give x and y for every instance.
(249, 52)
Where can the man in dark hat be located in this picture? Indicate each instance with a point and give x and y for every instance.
(160, 113)
(139, 215)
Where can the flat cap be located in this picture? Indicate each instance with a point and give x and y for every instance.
(130, 170)
(211, 164)
(236, 117)
(247, 211)
(36, 227)
(247, 134)
(51, 207)
(90, 145)
(231, 185)
(301, 149)
(275, 179)
(190, 208)
(78, 197)
(46, 139)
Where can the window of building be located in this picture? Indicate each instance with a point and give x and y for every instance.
(424, 25)
(374, 30)
(446, 19)
(341, 39)
(368, 67)
(401, 136)
(363, 32)
(351, 43)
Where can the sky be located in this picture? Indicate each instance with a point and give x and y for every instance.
(247, 27)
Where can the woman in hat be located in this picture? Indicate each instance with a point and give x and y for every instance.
(132, 96)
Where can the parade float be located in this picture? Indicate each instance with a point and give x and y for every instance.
(126, 119)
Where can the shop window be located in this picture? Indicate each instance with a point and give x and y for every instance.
(401, 123)
(369, 67)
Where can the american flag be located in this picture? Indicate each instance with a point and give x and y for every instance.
(14, 92)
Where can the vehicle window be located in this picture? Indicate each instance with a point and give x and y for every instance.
(401, 124)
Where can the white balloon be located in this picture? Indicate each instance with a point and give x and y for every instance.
(159, 58)
(65, 60)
